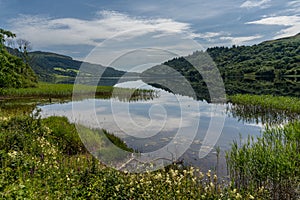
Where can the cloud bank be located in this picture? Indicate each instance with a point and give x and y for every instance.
(255, 4)
(291, 24)
(45, 31)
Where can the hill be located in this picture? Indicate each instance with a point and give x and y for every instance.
(57, 68)
(271, 67)
(271, 58)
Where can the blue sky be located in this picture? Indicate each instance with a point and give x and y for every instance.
(115, 27)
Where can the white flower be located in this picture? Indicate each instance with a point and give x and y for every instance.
(12, 154)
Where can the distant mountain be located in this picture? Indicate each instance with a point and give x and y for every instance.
(53, 67)
(257, 69)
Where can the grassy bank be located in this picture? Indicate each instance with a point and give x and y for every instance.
(288, 104)
(48, 90)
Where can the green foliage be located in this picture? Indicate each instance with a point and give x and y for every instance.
(44, 159)
(270, 162)
(287, 104)
(64, 135)
(277, 57)
(117, 141)
(14, 73)
(5, 34)
(266, 68)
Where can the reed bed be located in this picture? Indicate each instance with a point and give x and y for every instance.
(287, 104)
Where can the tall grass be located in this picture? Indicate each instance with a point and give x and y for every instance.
(270, 162)
(287, 104)
(47, 90)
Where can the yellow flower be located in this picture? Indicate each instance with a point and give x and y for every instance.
(238, 196)
(12, 154)
(215, 177)
(208, 173)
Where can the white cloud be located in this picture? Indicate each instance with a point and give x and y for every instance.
(254, 4)
(291, 22)
(45, 31)
(241, 40)
(209, 35)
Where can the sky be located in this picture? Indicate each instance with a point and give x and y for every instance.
(102, 31)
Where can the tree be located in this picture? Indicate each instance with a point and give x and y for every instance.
(14, 73)
(5, 34)
(24, 47)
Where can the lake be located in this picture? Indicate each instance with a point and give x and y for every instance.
(171, 126)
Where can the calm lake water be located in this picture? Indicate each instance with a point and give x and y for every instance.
(150, 125)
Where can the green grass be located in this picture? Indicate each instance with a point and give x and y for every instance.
(288, 104)
(270, 162)
(47, 90)
(50, 90)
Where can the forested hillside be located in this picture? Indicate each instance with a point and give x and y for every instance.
(57, 68)
(14, 71)
(54, 67)
(272, 67)
(271, 58)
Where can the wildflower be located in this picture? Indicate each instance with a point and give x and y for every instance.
(208, 173)
(261, 189)
(132, 190)
(12, 154)
(251, 197)
(158, 176)
(238, 196)
(201, 175)
(215, 178)
(194, 179)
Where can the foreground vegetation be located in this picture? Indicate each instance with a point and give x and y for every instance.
(271, 161)
(42, 159)
(45, 158)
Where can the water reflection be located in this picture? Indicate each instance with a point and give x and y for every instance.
(258, 114)
(153, 124)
